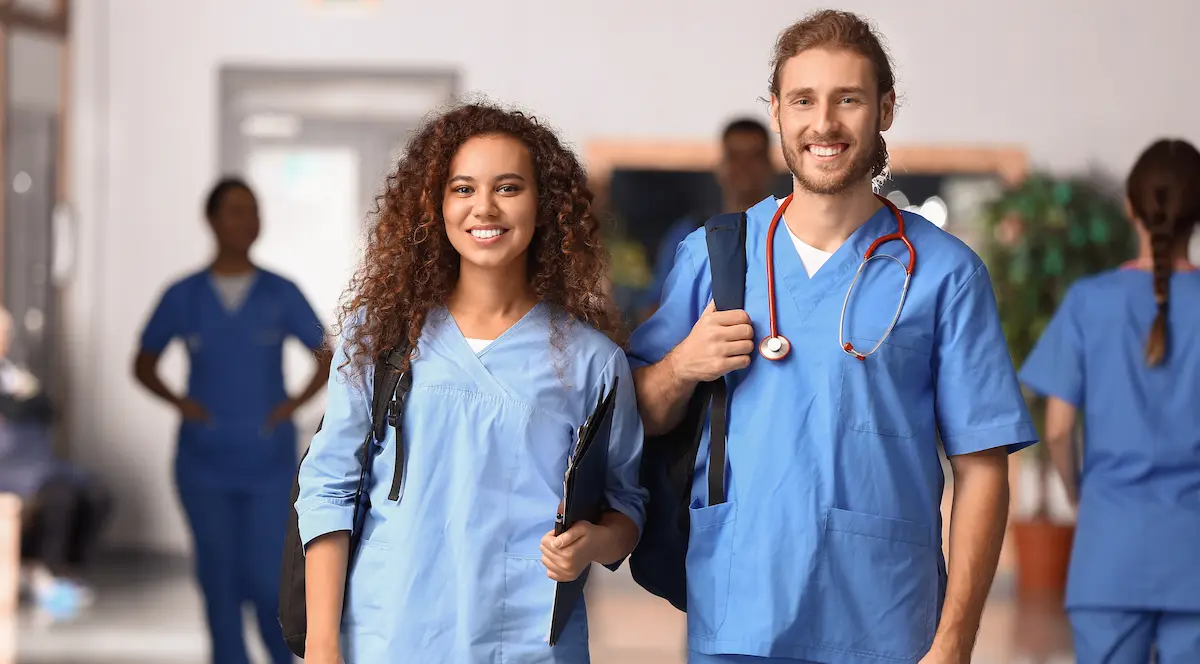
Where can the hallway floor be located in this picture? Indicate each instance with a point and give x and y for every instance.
(148, 611)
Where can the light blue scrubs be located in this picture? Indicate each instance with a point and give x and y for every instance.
(1134, 572)
(234, 473)
(829, 546)
(452, 572)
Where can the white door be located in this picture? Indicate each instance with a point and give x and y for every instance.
(312, 222)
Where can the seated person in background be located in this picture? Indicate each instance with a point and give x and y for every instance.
(63, 508)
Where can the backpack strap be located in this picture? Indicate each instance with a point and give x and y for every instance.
(726, 238)
(725, 235)
(387, 409)
(390, 387)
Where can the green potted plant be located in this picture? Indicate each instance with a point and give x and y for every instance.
(1041, 236)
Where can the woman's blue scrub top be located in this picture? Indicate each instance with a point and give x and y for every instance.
(452, 571)
(829, 546)
(1137, 540)
(235, 373)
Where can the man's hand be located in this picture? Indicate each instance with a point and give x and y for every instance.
(720, 342)
(945, 655)
(567, 555)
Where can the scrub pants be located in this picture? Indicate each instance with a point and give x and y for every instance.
(238, 537)
(1128, 637)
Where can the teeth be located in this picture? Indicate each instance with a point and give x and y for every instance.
(822, 151)
(487, 234)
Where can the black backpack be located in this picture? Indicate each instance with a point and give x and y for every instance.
(659, 563)
(391, 386)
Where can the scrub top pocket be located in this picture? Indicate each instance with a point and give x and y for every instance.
(873, 572)
(883, 393)
(709, 558)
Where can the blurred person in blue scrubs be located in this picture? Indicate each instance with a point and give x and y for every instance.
(237, 444)
(1122, 357)
(829, 546)
(744, 173)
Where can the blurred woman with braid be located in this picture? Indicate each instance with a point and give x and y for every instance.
(1123, 350)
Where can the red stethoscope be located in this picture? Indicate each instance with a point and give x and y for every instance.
(776, 346)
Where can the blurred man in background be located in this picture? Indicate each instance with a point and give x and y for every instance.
(744, 174)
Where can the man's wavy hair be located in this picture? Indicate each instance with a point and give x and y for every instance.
(410, 267)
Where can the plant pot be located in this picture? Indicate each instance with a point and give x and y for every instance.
(1043, 555)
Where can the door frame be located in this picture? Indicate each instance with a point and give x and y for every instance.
(377, 135)
(56, 25)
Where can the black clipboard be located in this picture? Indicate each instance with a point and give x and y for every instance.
(583, 498)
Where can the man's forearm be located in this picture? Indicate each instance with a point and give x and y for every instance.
(978, 520)
(662, 396)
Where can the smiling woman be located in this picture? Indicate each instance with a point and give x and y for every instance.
(479, 169)
(485, 259)
(491, 205)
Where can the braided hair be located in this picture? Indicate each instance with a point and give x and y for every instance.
(1164, 194)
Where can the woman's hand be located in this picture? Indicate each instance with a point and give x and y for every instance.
(567, 555)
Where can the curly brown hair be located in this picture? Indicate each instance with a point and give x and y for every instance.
(410, 267)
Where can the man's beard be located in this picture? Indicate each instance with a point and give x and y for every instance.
(860, 167)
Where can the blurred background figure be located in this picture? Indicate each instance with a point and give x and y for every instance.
(630, 273)
(745, 174)
(1122, 357)
(64, 508)
(237, 444)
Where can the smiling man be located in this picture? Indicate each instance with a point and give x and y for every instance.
(828, 545)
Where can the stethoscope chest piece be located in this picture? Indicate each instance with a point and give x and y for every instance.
(774, 347)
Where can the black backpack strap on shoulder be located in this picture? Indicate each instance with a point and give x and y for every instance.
(726, 238)
(387, 408)
(382, 385)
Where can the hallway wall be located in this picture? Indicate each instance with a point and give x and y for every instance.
(1076, 81)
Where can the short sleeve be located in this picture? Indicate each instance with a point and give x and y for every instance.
(625, 493)
(302, 322)
(684, 296)
(664, 259)
(166, 321)
(978, 399)
(1055, 367)
(329, 473)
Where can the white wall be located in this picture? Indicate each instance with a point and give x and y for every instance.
(1075, 81)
